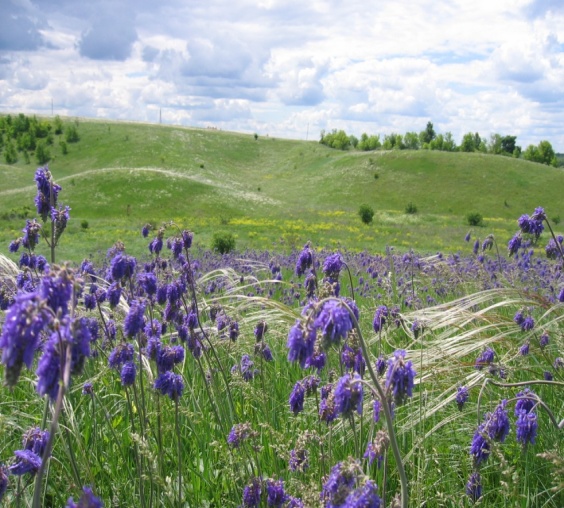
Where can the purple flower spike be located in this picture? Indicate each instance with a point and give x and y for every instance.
(399, 377)
(474, 487)
(349, 394)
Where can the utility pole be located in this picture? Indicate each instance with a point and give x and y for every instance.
(160, 115)
(51, 106)
(307, 132)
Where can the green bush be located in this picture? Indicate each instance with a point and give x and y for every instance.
(475, 219)
(366, 213)
(223, 242)
(410, 208)
(84, 224)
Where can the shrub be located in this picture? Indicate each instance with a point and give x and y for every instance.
(410, 208)
(71, 134)
(84, 224)
(366, 213)
(223, 242)
(556, 219)
(376, 176)
(475, 219)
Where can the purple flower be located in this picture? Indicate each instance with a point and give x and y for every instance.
(340, 483)
(376, 410)
(27, 461)
(380, 318)
(376, 448)
(544, 340)
(3, 480)
(276, 496)
(381, 365)
(349, 394)
(260, 329)
(399, 377)
(122, 266)
(485, 358)
(145, 230)
(299, 460)
(31, 234)
(87, 389)
(547, 375)
(187, 237)
(480, 446)
(252, 493)
(524, 349)
(23, 324)
(467, 237)
(526, 427)
(148, 281)
(48, 369)
(239, 433)
(558, 363)
(135, 319)
(527, 324)
(87, 500)
(35, 440)
(334, 321)
(332, 266)
(121, 354)
(365, 496)
(128, 372)
(514, 244)
(297, 398)
(305, 260)
(461, 396)
(169, 356)
(497, 423)
(474, 487)
(59, 217)
(171, 384)
(299, 345)
(113, 294)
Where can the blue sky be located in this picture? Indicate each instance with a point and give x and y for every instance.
(291, 68)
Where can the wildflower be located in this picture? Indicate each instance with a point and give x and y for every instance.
(135, 319)
(59, 218)
(476, 247)
(113, 294)
(23, 324)
(240, 432)
(524, 349)
(547, 375)
(334, 321)
(349, 394)
(461, 396)
(332, 266)
(544, 340)
(31, 234)
(300, 345)
(87, 389)
(263, 349)
(27, 461)
(169, 356)
(48, 368)
(381, 365)
(317, 360)
(480, 446)
(260, 329)
(128, 372)
(87, 500)
(148, 281)
(305, 260)
(485, 358)
(377, 447)
(526, 427)
(558, 363)
(340, 483)
(187, 237)
(400, 376)
(299, 460)
(467, 237)
(376, 410)
(3, 480)
(15, 245)
(171, 384)
(527, 324)
(552, 249)
(474, 487)
(297, 398)
(276, 496)
(488, 243)
(380, 318)
(514, 244)
(310, 384)
(145, 230)
(122, 266)
(364, 497)
(233, 330)
(252, 493)
(246, 367)
(497, 423)
(121, 354)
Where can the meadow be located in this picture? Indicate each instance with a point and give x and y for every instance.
(317, 369)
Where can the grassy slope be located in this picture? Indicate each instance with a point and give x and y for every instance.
(272, 191)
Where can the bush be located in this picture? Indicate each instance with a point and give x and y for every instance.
(410, 208)
(84, 224)
(223, 242)
(71, 134)
(475, 219)
(366, 213)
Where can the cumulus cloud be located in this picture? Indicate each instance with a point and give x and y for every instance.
(19, 31)
(110, 36)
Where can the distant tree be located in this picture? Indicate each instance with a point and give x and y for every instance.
(366, 213)
(353, 140)
(437, 143)
(64, 147)
(428, 134)
(58, 123)
(495, 146)
(71, 134)
(449, 144)
(508, 144)
(369, 142)
(256, 136)
(543, 153)
(477, 141)
(467, 143)
(42, 153)
(10, 153)
(393, 142)
(335, 139)
(411, 140)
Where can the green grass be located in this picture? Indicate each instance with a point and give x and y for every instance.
(275, 192)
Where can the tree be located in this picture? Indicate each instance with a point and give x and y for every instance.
(369, 142)
(508, 144)
(543, 153)
(42, 153)
(495, 144)
(411, 140)
(437, 143)
(428, 134)
(353, 140)
(10, 154)
(448, 142)
(366, 213)
(71, 134)
(467, 143)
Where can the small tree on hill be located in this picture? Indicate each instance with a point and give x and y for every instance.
(366, 213)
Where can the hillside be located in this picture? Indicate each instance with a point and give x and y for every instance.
(274, 193)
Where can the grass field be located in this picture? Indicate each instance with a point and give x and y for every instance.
(276, 193)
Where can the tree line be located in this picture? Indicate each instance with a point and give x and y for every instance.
(26, 136)
(428, 139)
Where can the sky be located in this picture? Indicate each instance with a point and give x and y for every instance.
(292, 68)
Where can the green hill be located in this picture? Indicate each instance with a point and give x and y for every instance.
(273, 193)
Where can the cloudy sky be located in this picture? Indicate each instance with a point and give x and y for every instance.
(291, 68)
